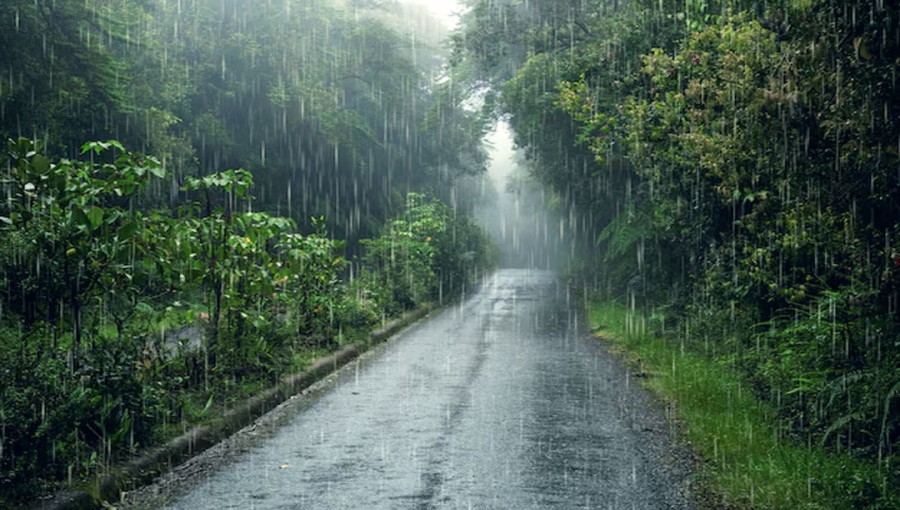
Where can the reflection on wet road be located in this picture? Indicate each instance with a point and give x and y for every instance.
(501, 401)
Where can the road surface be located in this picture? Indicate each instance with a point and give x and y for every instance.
(502, 401)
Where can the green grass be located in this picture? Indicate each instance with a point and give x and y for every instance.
(748, 464)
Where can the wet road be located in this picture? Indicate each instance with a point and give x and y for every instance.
(502, 401)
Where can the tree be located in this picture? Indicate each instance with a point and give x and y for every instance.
(72, 226)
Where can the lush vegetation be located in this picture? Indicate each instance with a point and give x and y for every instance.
(738, 434)
(92, 282)
(428, 251)
(321, 100)
(302, 159)
(730, 167)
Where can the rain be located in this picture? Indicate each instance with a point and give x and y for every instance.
(449, 254)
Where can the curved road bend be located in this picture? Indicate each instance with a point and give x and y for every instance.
(500, 402)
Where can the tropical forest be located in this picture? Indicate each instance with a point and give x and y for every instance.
(730, 175)
(201, 199)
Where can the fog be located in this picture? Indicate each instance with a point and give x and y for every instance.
(445, 11)
(516, 211)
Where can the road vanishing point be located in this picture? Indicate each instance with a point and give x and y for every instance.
(501, 401)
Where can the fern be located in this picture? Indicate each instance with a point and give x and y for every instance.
(838, 387)
(840, 423)
(623, 233)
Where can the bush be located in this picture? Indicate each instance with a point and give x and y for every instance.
(428, 253)
(359, 311)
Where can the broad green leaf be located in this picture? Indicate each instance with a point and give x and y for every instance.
(95, 147)
(127, 230)
(40, 163)
(81, 218)
(157, 171)
(95, 216)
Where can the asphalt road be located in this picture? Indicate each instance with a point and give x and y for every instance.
(502, 401)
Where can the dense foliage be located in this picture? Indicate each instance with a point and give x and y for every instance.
(733, 166)
(139, 295)
(87, 276)
(425, 254)
(92, 282)
(321, 101)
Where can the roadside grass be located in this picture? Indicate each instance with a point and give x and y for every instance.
(748, 462)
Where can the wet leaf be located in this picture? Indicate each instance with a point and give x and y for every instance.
(40, 163)
(95, 217)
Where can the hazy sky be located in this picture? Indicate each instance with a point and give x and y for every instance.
(442, 9)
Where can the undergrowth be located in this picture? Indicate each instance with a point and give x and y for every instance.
(749, 462)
